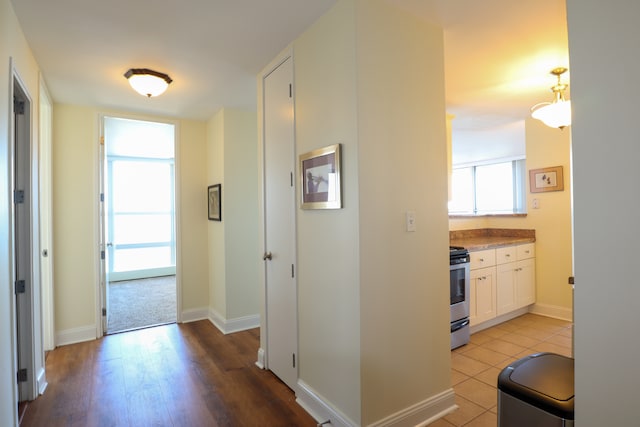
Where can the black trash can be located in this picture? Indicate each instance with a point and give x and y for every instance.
(537, 391)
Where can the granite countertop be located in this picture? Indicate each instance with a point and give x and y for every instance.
(488, 238)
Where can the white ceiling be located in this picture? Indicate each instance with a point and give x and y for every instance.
(498, 53)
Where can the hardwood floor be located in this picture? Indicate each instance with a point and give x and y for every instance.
(173, 375)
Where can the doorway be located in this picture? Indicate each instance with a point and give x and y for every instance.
(138, 220)
(279, 225)
(25, 265)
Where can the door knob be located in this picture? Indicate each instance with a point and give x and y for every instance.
(267, 256)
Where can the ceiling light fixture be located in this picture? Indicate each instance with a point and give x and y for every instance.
(147, 82)
(555, 114)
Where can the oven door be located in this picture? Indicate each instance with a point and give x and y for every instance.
(459, 283)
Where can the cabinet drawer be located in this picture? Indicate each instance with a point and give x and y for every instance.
(481, 259)
(526, 251)
(505, 254)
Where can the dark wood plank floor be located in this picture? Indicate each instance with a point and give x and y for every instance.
(173, 375)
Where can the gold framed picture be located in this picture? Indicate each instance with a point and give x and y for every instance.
(546, 179)
(320, 178)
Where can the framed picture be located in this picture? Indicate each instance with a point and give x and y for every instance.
(320, 178)
(215, 202)
(546, 179)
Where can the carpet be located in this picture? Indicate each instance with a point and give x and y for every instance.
(135, 304)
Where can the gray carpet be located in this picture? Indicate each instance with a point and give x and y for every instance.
(141, 303)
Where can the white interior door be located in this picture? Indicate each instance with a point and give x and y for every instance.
(280, 271)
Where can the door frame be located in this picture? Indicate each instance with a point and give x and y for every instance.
(262, 355)
(29, 339)
(101, 279)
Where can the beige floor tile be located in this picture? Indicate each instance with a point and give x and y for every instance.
(504, 347)
(534, 333)
(486, 419)
(441, 423)
(521, 340)
(475, 371)
(478, 393)
(489, 377)
(509, 327)
(560, 340)
(466, 411)
(506, 363)
(566, 332)
(495, 332)
(552, 348)
(463, 349)
(457, 377)
(486, 355)
(480, 338)
(467, 365)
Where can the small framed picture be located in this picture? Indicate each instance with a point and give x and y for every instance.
(320, 178)
(215, 202)
(546, 179)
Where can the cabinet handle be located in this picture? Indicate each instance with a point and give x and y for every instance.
(526, 252)
(508, 255)
(481, 259)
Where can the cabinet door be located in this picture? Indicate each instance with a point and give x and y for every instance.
(483, 297)
(525, 282)
(505, 288)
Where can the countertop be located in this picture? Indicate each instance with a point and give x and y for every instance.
(488, 238)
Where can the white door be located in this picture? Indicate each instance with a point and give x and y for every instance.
(24, 200)
(279, 217)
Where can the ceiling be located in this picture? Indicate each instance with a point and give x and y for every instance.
(498, 53)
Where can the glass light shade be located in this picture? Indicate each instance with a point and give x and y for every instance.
(148, 85)
(147, 82)
(555, 115)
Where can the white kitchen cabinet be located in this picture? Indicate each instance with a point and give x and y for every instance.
(525, 282)
(502, 281)
(483, 295)
(506, 288)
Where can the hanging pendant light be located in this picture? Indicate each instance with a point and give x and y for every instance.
(147, 82)
(555, 114)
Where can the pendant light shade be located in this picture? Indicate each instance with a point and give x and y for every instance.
(555, 114)
(147, 82)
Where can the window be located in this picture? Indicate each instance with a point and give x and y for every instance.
(488, 189)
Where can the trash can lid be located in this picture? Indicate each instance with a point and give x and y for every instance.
(543, 380)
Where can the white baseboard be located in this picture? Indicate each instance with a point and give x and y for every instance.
(41, 381)
(229, 326)
(422, 413)
(319, 408)
(75, 335)
(260, 361)
(557, 312)
(194, 314)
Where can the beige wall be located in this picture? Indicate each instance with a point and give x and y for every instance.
(552, 221)
(405, 356)
(12, 45)
(328, 241)
(215, 175)
(603, 39)
(373, 310)
(75, 232)
(233, 243)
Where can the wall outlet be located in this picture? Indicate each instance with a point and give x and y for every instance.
(535, 204)
(411, 220)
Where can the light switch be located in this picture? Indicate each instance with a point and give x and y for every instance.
(535, 204)
(411, 220)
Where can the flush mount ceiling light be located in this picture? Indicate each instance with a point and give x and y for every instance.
(557, 113)
(147, 82)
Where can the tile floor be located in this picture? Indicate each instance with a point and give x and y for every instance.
(475, 366)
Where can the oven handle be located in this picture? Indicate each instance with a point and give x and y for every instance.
(459, 325)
